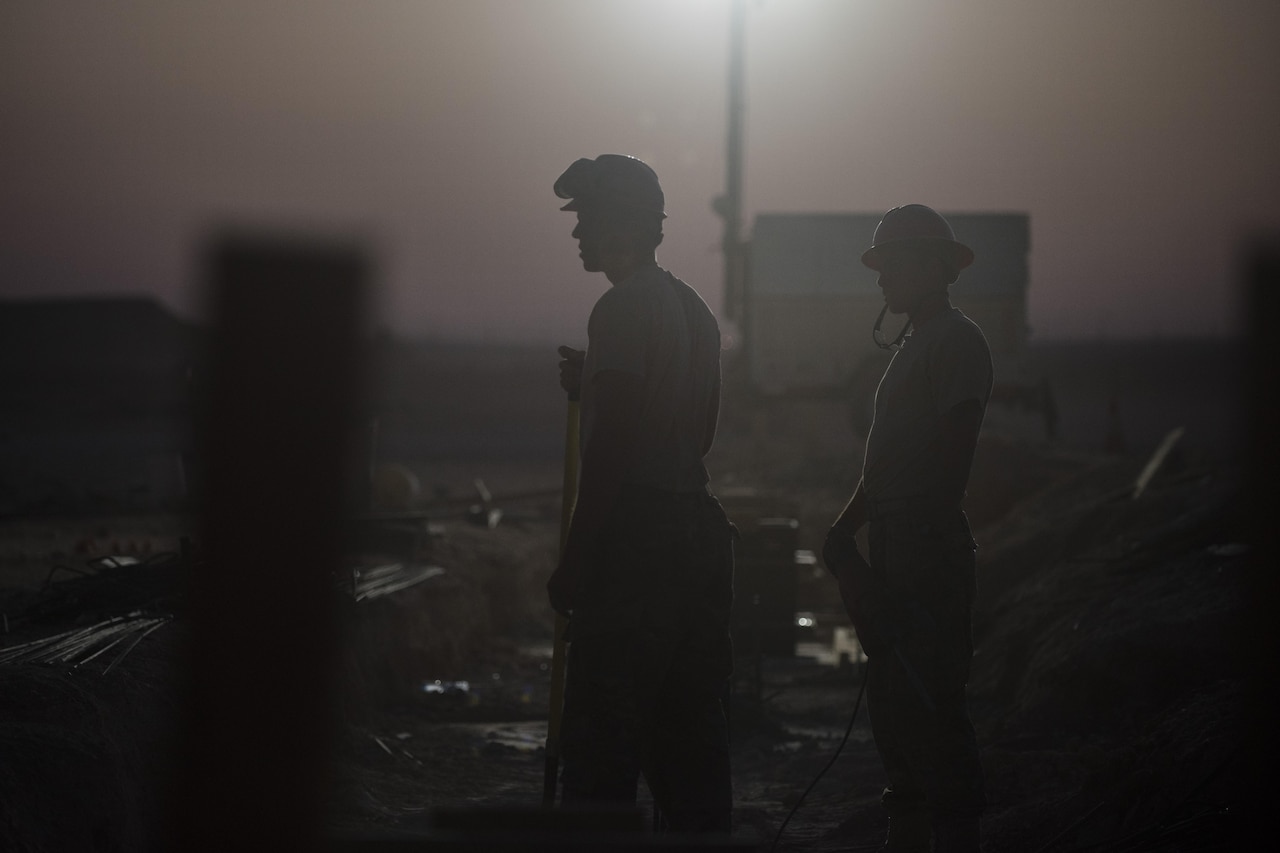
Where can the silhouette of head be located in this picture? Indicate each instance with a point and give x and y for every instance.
(917, 255)
(918, 229)
(611, 182)
(620, 207)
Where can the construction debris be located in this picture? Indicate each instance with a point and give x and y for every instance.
(82, 645)
(1156, 461)
(386, 579)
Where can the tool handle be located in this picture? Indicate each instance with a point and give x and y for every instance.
(569, 497)
(569, 485)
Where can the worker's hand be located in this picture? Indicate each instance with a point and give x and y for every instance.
(844, 560)
(839, 550)
(571, 370)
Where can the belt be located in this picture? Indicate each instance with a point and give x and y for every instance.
(637, 490)
(892, 506)
(912, 504)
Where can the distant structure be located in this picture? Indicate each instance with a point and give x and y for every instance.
(90, 354)
(807, 305)
(96, 400)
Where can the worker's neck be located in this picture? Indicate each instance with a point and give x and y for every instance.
(621, 268)
(929, 308)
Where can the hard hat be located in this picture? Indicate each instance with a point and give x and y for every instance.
(916, 224)
(611, 181)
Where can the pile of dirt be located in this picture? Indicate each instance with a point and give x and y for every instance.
(491, 596)
(1106, 685)
(85, 756)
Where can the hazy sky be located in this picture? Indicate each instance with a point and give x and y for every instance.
(1142, 136)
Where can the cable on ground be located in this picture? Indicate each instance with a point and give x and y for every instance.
(848, 731)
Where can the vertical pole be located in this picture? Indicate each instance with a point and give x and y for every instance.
(1258, 637)
(729, 205)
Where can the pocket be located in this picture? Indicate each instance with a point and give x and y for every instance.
(612, 595)
(925, 562)
(911, 553)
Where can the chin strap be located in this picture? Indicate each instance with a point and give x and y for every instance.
(878, 336)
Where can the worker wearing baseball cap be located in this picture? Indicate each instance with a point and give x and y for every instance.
(646, 576)
(612, 181)
(919, 580)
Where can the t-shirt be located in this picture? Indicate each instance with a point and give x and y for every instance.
(938, 367)
(655, 326)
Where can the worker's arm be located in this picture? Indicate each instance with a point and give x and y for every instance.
(571, 370)
(713, 419)
(854, 515)
(618, 399)
(960, 383)
(839, 549)
(957, 442)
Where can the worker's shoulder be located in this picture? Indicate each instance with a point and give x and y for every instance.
(654, 282)
(641, 284)
(955, 336)
(690, 298)
(648, 286)
(625, 309)
(958, 327)
(626, 297)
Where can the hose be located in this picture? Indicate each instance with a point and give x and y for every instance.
(848, 731)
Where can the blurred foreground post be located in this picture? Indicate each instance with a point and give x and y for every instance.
(1259, 639)
(276, 438)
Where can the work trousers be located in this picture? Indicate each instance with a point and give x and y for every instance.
(649, 662)
(916, 689)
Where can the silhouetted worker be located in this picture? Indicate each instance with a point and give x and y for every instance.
(647, 571)
(912, 603)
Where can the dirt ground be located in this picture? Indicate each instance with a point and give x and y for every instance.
(1104, 688)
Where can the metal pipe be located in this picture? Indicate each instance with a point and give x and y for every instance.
(729, 205)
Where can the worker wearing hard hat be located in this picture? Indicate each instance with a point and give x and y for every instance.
(912, 600)
(647, 571)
